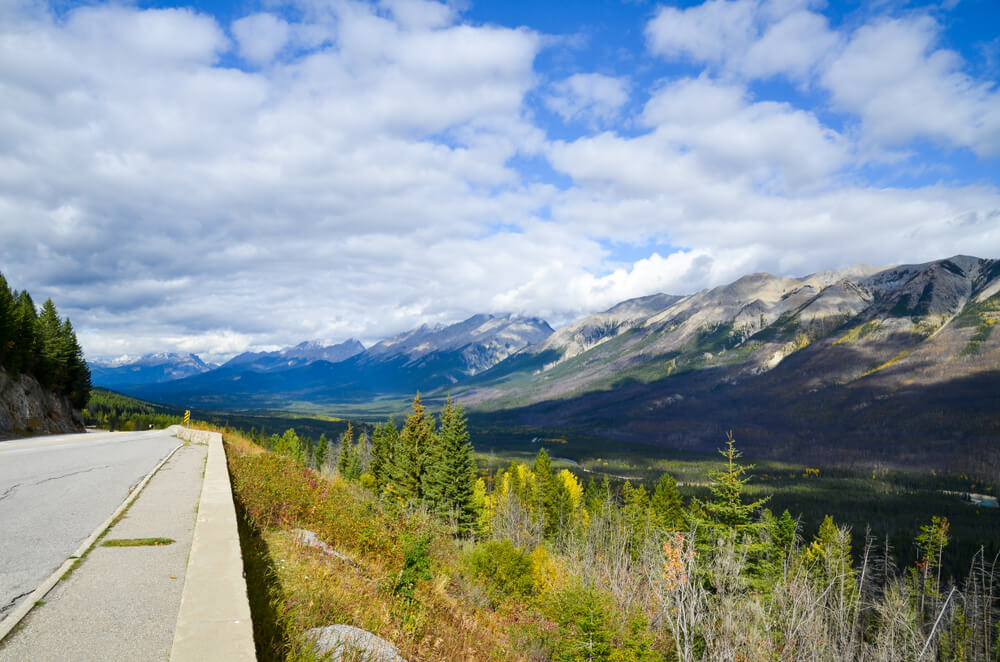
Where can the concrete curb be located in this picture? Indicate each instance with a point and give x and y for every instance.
(214, 619)
(16, 616)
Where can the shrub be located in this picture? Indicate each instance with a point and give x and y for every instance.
(416, 565)
(503, 568)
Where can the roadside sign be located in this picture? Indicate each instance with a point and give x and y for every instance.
(187, 416)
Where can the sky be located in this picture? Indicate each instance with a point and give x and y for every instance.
(224, 175)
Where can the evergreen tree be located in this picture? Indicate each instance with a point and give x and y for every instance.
(409, 462)
(77, 371)
(6, 321)
(542, 468)
(383, 455)
(453, 471)
(378, 462)
(346, 450)
(667, 504)
(22, 356)
(592, 496)
(356, 458)
(289, 445)
(51, 357)
(726, 512)
(785, 532)
(322, 448)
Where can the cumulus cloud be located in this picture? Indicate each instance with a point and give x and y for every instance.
(755, 38)
(261, 36)
(887, 72)
(592, 98)
(706, 133)
(359, 173)
(891, 75)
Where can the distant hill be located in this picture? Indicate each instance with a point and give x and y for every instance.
(148, 369)
(862, 362)
(422, 359)
(865, 362)
(292, 357)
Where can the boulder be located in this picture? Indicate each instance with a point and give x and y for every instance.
(346, 642)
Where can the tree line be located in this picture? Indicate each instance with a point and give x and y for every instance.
(40, 344)
(713, 578)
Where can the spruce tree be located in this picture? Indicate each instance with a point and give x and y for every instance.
(667, 504)
(409, 461)
(454, 471)
(77, 386)
(726, 511)
(346, 450)
(6, 321)
(51, 359)
(322, 448)
(542, 469)
(383, 456)
(23, 353)
(376, 467)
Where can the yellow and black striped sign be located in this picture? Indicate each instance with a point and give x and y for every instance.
(187, 416)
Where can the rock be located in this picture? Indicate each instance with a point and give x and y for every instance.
(305, 537)
(26, 408)
(339, 641)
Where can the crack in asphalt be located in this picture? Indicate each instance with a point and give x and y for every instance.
(6, 494)
(72, 473)
(10, 604)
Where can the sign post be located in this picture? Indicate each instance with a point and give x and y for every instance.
(187, 416)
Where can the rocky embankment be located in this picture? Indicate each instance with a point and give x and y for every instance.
(26, 408)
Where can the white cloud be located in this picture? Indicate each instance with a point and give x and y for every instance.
(902, 87)
(705, 134)
(592, 98)
(364, 178)
(754, 38)
(261, 36)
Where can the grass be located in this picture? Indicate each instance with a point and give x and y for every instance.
(137, 542)
(293, 588)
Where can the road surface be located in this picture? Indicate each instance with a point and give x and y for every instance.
(55, 490)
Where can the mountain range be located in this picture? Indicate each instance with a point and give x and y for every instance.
(853, 361)
(426, 358)
(149, 369)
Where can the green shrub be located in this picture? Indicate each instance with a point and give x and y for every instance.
(503, 568)
(416, 565)
(586, 627)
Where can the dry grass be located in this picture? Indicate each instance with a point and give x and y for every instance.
(306, 588)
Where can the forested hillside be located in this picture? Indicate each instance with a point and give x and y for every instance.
(400, 534)
(42, 345)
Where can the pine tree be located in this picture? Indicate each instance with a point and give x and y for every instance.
(6, 321)
(77, 371)
(785, 532)
(542, 468)
(667, 504)
(378, 462)
(383, 455)
(726, 511)
(454, 470)
(289, 445)
(409, 461)
(322, 448)
(51, 359)
(23, 352)
(346, 450)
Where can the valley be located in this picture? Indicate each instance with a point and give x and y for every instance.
(859, 367)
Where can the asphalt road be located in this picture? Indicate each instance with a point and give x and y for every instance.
(55, 490)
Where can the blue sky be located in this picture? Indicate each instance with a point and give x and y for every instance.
(217, 176)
